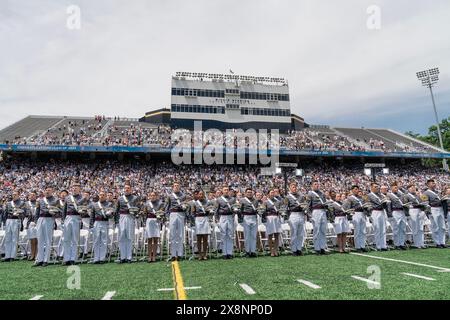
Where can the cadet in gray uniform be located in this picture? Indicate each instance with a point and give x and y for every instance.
(297, 218)
(446, 203)
(30, 209)
(355, 203)
(127, 210)
(437, 214)
(341, 224)
(416, 217)
(273, 222)
(378, 205)
(71, 220)
(14, 211)
(100, 213)
(201, 210)
(154, 212)
(176, 207)
(48, 207)
(224, 209)
(317, 207)
(250, 223)
(399, 217)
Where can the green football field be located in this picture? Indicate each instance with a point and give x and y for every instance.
(412, 274)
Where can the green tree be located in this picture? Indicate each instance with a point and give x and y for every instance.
(432, 136)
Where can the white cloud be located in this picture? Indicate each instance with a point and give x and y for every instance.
(121, 60)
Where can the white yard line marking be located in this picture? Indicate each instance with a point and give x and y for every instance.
(418, 276)
(36, 298)
(403, 261)
(309, 284)
(109, 295)
(366, 280)
(247, 288)
(171, 289)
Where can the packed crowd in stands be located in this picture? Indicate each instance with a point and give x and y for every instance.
(28, 175)
(94, 133)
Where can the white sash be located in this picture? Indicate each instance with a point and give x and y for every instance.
(354, 197)
(126, 201)
(74, 202)
(270, 201)
(295, 199)
(250, 203)
(321, 201)
(439, 198)
(226, 201)
(101, 209)
(33, 208)
(395, 196)
(176, 198)
(414, 197)
(201, 206)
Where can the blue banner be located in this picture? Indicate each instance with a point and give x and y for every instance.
(282, 152)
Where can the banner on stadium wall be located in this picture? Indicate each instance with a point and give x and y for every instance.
(282, 152)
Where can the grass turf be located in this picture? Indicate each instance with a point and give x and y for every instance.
(271, 278)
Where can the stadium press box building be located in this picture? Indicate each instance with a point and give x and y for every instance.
(226, 101)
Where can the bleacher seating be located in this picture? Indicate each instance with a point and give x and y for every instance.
(27, 127)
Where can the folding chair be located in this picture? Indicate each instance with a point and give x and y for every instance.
(23, 245)
(263, 238)
(55, 245)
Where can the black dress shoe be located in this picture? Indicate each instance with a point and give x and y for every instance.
(66, 263)
(44, 264)
(384, 249)
(37, 264)
(318, 252)
(300, 252)
(295, 253)
(363, 250)
(402, 247)
(323, 251)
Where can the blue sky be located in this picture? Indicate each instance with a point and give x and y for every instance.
(121, 60)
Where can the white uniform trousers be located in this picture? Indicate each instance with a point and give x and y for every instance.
(297, 224)
(226, 227)
(176, 233)
(438, 225)
(44, 227)
(126, 236)
(71, 237)
(11, 238)
(379, 228)
(399, 227)
(320, 224)
(359, 229)
(100, 234)
(417, 223)
(250, 225)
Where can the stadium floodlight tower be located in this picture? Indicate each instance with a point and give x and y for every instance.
(429, 78)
